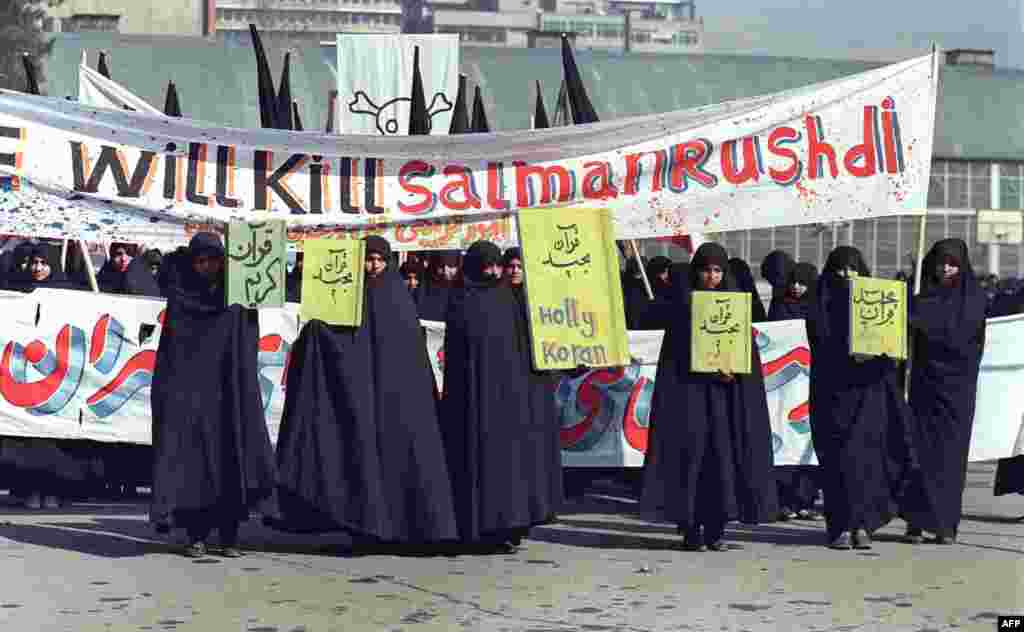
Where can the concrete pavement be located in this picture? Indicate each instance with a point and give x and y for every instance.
(603, 567)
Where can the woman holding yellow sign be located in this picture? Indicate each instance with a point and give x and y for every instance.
(709, 457)
(860, 417)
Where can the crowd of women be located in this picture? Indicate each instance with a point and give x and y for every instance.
(370, 446)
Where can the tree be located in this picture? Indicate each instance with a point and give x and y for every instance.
(21, 31)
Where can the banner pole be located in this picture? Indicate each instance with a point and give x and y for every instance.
(64, 255)
(924, 217)
(643, 272)
(88, 266)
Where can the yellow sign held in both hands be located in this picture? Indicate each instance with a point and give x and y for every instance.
(878, 318)
(721, 335)
(573, 289)
(333, 274)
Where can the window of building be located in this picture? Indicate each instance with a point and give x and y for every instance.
(86, 22)
(1011, 179)
(960, 184)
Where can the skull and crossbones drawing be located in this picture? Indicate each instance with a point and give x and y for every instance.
(386, 114)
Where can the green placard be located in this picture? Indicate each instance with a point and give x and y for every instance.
(573, 289)
(256, 264)
(878, 317)
(721, 332)
(333, 274)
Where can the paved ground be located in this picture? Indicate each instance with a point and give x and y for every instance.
(603, 567)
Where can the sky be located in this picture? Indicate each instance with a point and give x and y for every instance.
(864, 29)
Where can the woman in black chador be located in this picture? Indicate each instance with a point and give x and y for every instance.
(709, 459)
(948, 335)
(499, 418)
(213, 461)
(360, 446)
(798, 487)
(744, 280)
(859, 417)
(126, 273)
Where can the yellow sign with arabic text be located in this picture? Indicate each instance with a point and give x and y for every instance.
(256, 264)
(573, 289)
(878, 318)
(721, 335)
(333, 275)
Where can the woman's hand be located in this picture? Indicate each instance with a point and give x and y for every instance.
(726, 377)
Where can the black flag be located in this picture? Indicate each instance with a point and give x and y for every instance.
(460, 113)
(419, 119)
(265, 83)
(101, 65)
(579, 102)
(296, 121)
(31, 82)
(284, 95)
(479, 116)
(540, 115)
(172, 107)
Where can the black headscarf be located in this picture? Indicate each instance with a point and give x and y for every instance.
(193, 291)
(709, 254)
(22, 281)
(658, 265)
(745, 283)
(435, 292)
(833, 292)
(480, 255)
(136, 280)
(293, 282)
(515, 252)
(379, 245)
(784, 306)
(775, 270)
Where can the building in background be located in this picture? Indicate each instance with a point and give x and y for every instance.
(143, 17)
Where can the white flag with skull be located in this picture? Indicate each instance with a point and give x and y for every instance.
(375, 81)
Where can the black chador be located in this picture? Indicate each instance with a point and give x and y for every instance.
(859, 417)
(360, 446)
(744, 280)
(948, 335)
(798, 486)
(709, 458)
(498, 416)
(126, 273)
(436, 294)
(213, 462)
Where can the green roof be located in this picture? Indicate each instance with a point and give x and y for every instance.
(978, 110)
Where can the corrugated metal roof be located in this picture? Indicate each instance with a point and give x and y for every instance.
(978, 110)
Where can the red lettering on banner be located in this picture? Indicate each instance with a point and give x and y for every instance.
(462, 184)
(777, 141)
(818, 150)
(408, 171)
(551, 177)
(751, 169)
(688, 160)
(601, 172)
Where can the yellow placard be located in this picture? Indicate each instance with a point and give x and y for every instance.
(573, 289)
(878, 317)
(332, 281)
(721, 332)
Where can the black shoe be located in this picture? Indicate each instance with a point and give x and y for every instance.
(786, 514)
(693, 540)
(194, 550)
(841, 542)
(913, 536)
(944, 540)
(861, 540)
(719, 545)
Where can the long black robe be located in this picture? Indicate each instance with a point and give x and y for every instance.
(213, 460)
(798, 484)
(498, 418)
(360, 445)
(860, 417)
(709, 453)
(776, 268)
(948, 335)
(433, 299)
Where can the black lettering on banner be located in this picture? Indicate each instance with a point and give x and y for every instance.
(109, 160)
(263, 182)
(225, 168)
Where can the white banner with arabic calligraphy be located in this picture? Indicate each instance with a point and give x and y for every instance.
(845, 149)
(83, 373)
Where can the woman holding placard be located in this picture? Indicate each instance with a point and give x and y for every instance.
(859, 416)
(709, 457)
(360, 446)
(948, 334)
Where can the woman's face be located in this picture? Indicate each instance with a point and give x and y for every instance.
(375, 264)
(493, 271)
(797, 289)
(848, 273)
(947, 270)
(664, 276)
(514, 272)
(121, 259)
(207, 266)
(710, 276)
(39, 268)
(412, 280)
